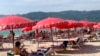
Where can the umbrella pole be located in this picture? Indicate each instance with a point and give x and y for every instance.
(68, 33)
(36, 33)
(37, 43)
(13, 41)
(13, 34)
(53, 42)
(19, 32)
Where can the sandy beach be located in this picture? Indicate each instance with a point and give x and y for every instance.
(88, 49)
(49, 28)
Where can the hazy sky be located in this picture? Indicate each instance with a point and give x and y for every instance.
(25, 6)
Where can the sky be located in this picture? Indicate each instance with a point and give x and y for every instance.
(9, 7)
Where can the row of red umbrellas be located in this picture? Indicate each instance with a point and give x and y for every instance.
(9, 22)
(14, 22)
(60, 23)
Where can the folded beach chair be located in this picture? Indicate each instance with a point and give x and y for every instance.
(46, 52)
(97, 36)
(76, 43)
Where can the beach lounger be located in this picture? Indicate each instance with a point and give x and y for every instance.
(40, 52)
(34, 40)
(76, 43)
(46, 52)
(61, 46)
(97, 36)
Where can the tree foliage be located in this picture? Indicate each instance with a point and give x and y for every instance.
(76, 15)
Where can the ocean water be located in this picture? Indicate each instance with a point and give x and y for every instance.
(5, 33)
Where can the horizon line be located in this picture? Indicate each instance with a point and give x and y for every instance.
(47, 12)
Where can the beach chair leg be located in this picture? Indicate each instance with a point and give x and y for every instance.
(78, 46)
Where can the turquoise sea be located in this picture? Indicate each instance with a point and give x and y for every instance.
(5, 33)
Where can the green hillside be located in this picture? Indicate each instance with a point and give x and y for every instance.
(77, 15)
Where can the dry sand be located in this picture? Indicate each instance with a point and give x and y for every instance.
(88, 49)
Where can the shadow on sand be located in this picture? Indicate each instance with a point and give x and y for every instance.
(5, 49)
(96, 41)
(86, 49)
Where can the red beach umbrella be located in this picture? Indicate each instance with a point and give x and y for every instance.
(73, 23)
(27, 29)
(96, 26)
(50, 22)
(15, 22)
(87, 23)
(34, 27)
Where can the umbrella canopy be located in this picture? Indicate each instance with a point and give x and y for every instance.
(14, 22)
(87, 23)
(73, 23)
(51, 22)
(27, 28)
(96, 26)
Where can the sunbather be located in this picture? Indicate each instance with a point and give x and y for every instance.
(19, 50)
(61, 46)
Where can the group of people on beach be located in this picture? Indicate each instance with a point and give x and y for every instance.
(19, 47)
